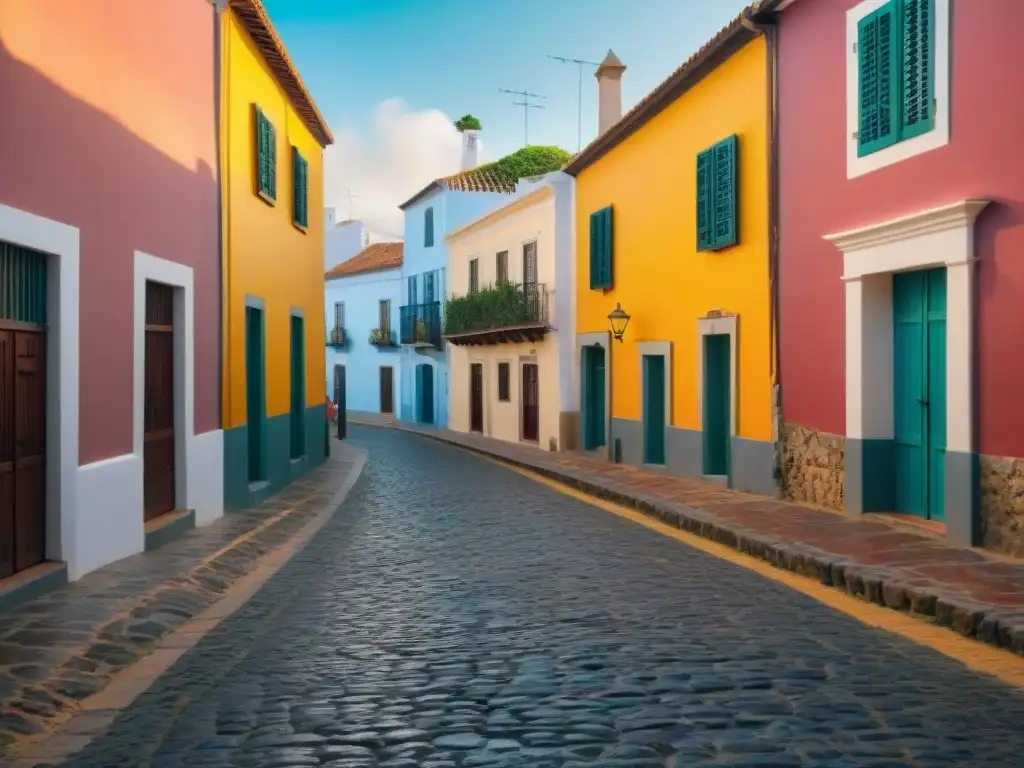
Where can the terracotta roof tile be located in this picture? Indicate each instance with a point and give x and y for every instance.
(375, 257)
(257, 23)
(483, 178)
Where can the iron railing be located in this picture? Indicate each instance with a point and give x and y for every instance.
(336, 337)
(421, 325)
(506, 305)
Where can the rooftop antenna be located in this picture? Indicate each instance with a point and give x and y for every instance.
(351, 206)
(527, 105)
(579, 96)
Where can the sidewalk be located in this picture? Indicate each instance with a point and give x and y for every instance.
(62, 648)
(977, 594)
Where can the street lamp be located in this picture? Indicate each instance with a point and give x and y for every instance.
(619, 319)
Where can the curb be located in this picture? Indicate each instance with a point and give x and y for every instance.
(216, 587)
(887, 587)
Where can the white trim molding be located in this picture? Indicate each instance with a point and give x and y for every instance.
(901, 150)
(60, 242)
(655, 349)
(937, 237)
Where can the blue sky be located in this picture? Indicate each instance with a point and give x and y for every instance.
(454, 55)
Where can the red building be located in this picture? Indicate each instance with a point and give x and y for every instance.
(901, 215)
(109, 279)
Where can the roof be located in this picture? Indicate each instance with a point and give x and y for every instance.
(729, 39)
(375, 257)
(257, 23)
(483, 178)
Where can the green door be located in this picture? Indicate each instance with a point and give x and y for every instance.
(919, 391)
(593, 397)
(255, 393)
(298, 409)
(425, 386)
(717, 428)
(654, 409)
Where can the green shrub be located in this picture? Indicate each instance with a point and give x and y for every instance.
(491, 307)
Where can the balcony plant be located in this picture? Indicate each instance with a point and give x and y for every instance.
(420, 331)
(495, 306)
(380, 337)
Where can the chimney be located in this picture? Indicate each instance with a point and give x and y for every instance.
(609, 92)
(470, 149)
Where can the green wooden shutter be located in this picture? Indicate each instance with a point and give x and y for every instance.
(705, 161)
(271, 161)
(261, 151)
(724, 193)
(601, 249)
(300, 184)
(917, 68)
(305, 192)
(607, 248)
(878, 62)
(595, 250)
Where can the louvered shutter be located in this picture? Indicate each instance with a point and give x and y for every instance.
(705, 163)
(878, 62)
(271, 161)
(724, 199)
(917, 68)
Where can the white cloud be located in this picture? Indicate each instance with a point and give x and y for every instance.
(403, 152)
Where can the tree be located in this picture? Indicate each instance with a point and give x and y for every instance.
(467, 123)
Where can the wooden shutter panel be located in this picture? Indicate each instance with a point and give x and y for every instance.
(917, 68)
(705, 163)
(724, 199)
(595, 250)
(606, 248)
(878, 47)
(261, 151)
(305, 192)
(271, 161)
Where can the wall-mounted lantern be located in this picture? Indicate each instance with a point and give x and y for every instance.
(619, 319)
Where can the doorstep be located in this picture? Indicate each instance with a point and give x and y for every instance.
(976, 593)
(168, 527)
(31, 583)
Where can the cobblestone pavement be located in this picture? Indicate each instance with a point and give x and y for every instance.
(978, 594)
(454, 613)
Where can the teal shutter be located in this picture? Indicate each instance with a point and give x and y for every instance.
(300, 184)
(705, 161)
(601, 249)
(261, 151)
(917, 68)
(725, 193)
(428, 228)
(271, 161)
(878, 47)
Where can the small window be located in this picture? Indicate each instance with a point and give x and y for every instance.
(716, 196)
(413, 289)
(501, 266)
(300, 189)
(503, 382)
(474, 275)
(339, 314)
(529, 265)
(428, 228)
(384, 315)
(428, 288)
(266, 157)
(601, 247)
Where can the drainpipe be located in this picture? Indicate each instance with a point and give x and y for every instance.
(217, 175)
(769, 30)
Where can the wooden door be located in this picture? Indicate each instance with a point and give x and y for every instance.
(476, 397)
(22, 449)
(158, 432)
(255, 393)
(654, 414)
(425, 387)
(919, 391)
(339, 400)
(298, 388)
(717, 406)
(531, 402)
(593, 398)
(387, 389)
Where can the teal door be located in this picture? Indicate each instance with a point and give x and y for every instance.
(717, 416)
(654, 409)
(298, 388)
(919, 391)
(255, 393)
(425, 390)
(593, 397)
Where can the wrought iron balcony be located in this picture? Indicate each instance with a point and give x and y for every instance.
(421, 325)
(500, 314)
(336, 337)
(382, 337)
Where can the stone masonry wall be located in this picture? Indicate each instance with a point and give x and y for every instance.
(812, 466)
(1002, 504)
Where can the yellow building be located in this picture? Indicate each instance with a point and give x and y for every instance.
(672, 223)
(271, 143)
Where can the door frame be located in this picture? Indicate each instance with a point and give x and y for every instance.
(60, 243)
(597, 339)
(483, 396)
(526, 360)
(380, 389)
(655, 349)
(720, 325)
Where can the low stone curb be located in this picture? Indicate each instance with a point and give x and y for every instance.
(884, 586)
(38, 708)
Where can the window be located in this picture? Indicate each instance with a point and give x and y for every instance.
(895, 74)
(474, 275)
(384, 315)
(601, 246)
(503, 382)
(300, 188)
(428, 228)
(716, 196)
(428, 288)
(501, 266)
(339, 314)
(266, 157)
(413, 289)
(529, 265)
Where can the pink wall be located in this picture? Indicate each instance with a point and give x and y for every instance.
(985, 158)
(109, 126)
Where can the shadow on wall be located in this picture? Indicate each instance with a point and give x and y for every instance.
(65, 160)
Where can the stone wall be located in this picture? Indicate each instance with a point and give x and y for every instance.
(812, 466)
(1002, 504)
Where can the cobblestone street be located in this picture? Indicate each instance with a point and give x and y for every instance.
(454, 613)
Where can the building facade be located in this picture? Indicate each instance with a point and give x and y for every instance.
(683, 249)
(900, 290)
(441, 206)
(362, 298)
(272, 139)
(109, 261)
(509, 318)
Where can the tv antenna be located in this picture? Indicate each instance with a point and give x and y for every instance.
(579, 96)
(527, 105)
